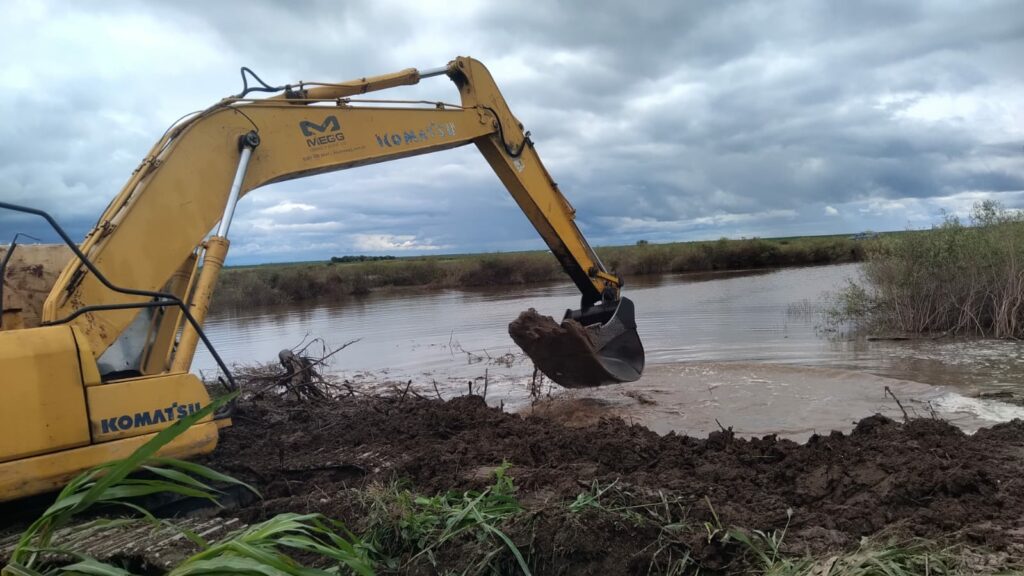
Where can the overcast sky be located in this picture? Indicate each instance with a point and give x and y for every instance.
(661, 120)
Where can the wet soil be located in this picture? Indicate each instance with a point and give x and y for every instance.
(921, 478)
(564, 352)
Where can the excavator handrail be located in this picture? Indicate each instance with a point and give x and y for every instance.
(163, 299)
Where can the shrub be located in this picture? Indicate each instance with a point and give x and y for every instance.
(956, 278)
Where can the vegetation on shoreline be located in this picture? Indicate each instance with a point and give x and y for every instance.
(957, 278)
(341, 278)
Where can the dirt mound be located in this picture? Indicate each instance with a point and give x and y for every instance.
(926, 477)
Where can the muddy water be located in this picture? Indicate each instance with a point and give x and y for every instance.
(750, 348)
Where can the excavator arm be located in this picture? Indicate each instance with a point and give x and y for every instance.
(155, 232)
(104, 365)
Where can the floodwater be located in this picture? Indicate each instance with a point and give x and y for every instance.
(752, 350)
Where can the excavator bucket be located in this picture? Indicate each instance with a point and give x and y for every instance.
(591, 347)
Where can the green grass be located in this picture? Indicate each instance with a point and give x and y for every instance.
(911, 557)
(256, 550)
(667, 516)
(957, 278)
(404, 529)
(327, 281)
(411, 530)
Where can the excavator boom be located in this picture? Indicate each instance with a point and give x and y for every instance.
(185, 186)
(107, 317)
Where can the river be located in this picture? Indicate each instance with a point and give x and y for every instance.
(749, 349)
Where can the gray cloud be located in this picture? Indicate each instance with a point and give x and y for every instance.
(672, 121)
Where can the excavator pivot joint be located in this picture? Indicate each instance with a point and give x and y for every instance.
(249, 140)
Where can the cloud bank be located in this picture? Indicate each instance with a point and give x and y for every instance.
(679, 121)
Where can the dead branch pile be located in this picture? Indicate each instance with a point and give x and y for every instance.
(298, 374)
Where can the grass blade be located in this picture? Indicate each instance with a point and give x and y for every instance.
(94, 485)
(511, 546)
(202, 471)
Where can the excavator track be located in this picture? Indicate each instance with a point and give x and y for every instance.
(137, 543)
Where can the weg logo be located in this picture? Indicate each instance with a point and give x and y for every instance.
(330, 126)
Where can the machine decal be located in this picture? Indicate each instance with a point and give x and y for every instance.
(142, 419)
(329, 132)
(432, 131)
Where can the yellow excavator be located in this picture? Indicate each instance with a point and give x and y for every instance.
(95, 360)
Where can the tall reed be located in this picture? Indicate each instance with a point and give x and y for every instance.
(958, 278)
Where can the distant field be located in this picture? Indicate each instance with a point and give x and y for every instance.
(328, 281)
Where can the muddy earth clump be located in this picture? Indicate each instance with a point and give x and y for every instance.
(563, 351)
(923, 478)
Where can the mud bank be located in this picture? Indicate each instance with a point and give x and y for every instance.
(925, 478)
(756, 399)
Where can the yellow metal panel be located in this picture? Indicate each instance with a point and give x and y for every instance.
(168, 319)
(90, 371)
(42, 405)
(49, 472)
(143, 405)
(529, 182)
(405, 77)
(199, 305)
(181, 197)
